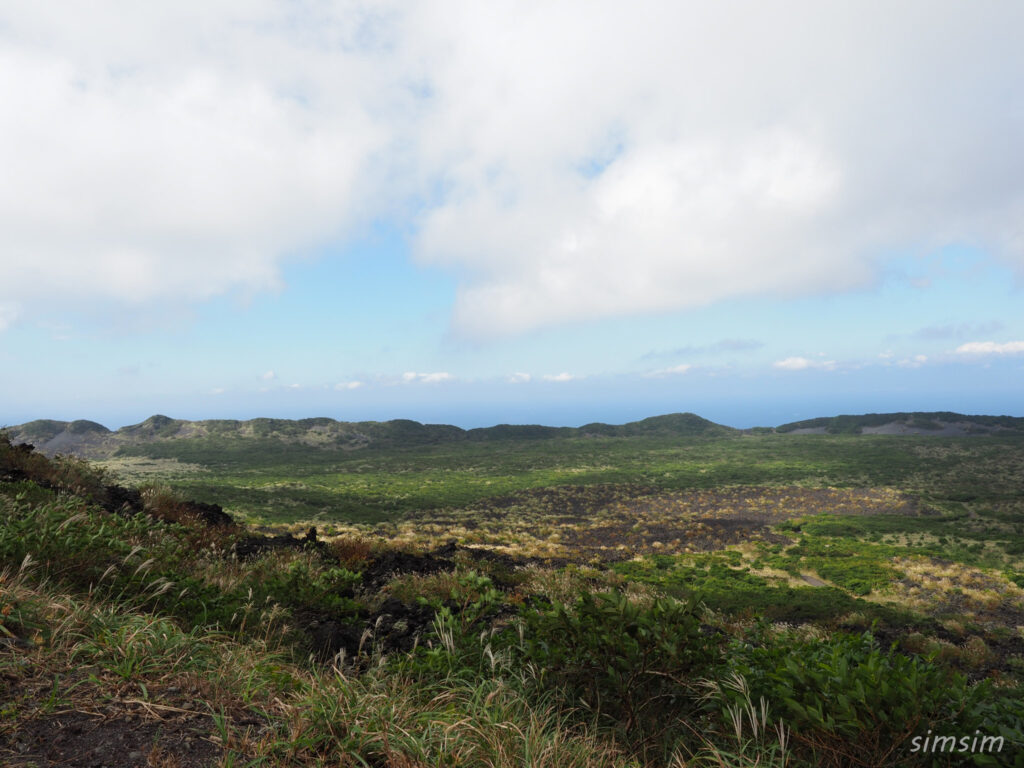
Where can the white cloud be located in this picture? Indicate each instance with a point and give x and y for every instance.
(348, 385)
(682, 368)
(803, 363)
(671, 371)
(559, 377)
(793, 364)
(179, 152)
(519, 378)
(655, 231)
(176, 152)
(991, 348)
(426, 378)
(913, 362)
(269, 376)
(668, 176)
(218, 391)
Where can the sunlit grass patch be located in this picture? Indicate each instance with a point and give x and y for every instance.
(941, 587)
(726, 585)
(139, 470)
(557, 584)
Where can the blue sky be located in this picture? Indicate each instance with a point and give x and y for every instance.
(474, 214)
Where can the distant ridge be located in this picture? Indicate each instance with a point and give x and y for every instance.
(91, 440)
(916, 423)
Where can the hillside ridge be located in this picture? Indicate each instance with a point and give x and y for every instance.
(89, 439)
(939, 423)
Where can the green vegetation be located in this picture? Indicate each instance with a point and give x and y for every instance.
(291, 481)
(737, 591)
(874, 698)
(623, 661)
(655, 594)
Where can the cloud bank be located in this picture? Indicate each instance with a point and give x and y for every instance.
(559, 378)
(991, 348)
(566, 161)
(410, 377)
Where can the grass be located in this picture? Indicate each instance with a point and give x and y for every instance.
(286, 482)
(739, 592)
(256, 704)
(637, 601)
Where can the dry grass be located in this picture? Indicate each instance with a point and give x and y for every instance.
(605, 523)
(942, 587)
(90, 657)
(352, 551)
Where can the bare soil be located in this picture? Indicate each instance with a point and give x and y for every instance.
(118, 736)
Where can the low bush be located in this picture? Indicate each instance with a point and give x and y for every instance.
(635, 667)
(848, 701)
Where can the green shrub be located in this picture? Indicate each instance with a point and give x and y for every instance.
(848, 700)
(157, 566)
(301, 583)
(635, 666)
(736, 591)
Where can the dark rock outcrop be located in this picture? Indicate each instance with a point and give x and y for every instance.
(395, 626)
(211, 514)
(121, 501)
(384, 567)
(257, 544)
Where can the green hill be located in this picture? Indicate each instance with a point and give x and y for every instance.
(88, 439)
(921, 423)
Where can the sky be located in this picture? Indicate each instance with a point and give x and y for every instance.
(510, 212)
